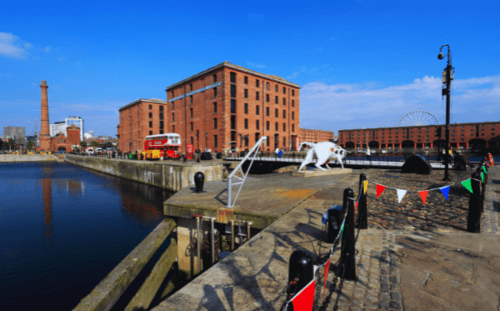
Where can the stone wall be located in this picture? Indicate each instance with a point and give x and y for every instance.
(169, 175)
(5, 158)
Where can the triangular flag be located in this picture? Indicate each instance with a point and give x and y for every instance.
(327, 266)
(304, 300)
(467, 184)
(482, 177)
(484, 169)
(423, 195)
(401, 194)
(356, 207)
(380, 189)
(365, 186)
(342, 230)
(445, 191)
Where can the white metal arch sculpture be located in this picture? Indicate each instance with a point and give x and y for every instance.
(323, 151)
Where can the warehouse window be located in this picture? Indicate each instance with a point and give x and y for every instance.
(276, 88)
(233, 90)
(257, 112)
(267, 86)
(246, 109)
(246, 93)
(257, 83)
(191, 123)
(293, 103)
(276, 126)
(275, 99)
(257, 124)
(293, 92)
(284, 127)
(267, 125)
(293, 115)
(150, 114)
(267, 97)
(284, 90)
(215, 107)
(150, 123)
(246, 80)
(215, 123)
(150, 106)
(276, 114)
(246, 123)
(215, 77)
(215, 92)
(257, 94)
(284, 101)
(233, 77)
(284, 114)
(267, 111)
(215, 140)
(191, 112)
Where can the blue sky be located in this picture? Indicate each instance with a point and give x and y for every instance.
(360, 64)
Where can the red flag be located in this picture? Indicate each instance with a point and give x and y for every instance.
(380, 189)
(356, 207)
(327, 266)
(423, 195)
(304, 300)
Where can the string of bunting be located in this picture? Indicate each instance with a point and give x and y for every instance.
(423, 193)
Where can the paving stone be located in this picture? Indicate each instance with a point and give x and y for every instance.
(385, 297)
(383, 272)
(384, 288)
(395, 305)
(371, 299)
(393, 280)
(384, 305)
(357, 302)
(394, 296)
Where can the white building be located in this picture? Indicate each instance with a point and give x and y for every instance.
(60, 127)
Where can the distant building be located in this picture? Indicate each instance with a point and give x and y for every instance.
(60, 127)
(61, 142)
(462, 135)
(315, 136)
(16, 133)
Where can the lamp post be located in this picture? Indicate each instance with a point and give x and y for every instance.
(447, 77)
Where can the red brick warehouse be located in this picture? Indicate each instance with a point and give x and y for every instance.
(139, 119)
(231, 106)
(462, 135)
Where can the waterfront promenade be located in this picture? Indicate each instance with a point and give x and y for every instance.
(422, 263)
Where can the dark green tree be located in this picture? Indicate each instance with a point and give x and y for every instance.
(94, 144)
(83, 144)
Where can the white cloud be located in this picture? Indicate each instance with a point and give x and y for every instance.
(13, 46)
(47, 49)
(344, 106)
(256, 65)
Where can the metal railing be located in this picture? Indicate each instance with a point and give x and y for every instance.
(230, 184)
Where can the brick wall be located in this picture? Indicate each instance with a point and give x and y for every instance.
(195, 113)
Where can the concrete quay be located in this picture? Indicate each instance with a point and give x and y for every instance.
(16, 158)
(173, 175)
(396, 269)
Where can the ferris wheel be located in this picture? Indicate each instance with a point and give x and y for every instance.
(418, 117)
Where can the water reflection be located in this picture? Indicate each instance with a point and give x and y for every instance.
(47, 207)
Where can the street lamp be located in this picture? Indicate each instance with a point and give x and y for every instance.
(448, 74)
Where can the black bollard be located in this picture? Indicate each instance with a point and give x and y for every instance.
(362, 212)
(481, 188)
(199, 178)
(348, 256)
(333, 222)
(474, 217)
(300, 273)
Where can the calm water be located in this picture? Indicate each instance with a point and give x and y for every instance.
(64, 228)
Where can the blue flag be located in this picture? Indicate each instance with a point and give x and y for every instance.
(445, 191)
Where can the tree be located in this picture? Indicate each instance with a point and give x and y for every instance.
(83, 144)
(1, 143)
(11, 143)
(94, 144)
(31, 144)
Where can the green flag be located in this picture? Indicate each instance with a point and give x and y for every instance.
(484, 169)
(482, 177)
(342, 230)
(467, 184)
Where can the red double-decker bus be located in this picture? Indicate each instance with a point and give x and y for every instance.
(163, 146)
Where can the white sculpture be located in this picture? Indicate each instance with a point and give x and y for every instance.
(323, 151)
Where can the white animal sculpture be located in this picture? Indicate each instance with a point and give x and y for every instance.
(323, 151)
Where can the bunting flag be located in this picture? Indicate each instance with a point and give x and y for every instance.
(356, 207)
(327, 266)
(445, 191)
(468, 185)
(482, 177)
(342, 230)
(304, 300)
(365, 186)
(484, 169)
(423, 195)
(401, 194)
(380, 189)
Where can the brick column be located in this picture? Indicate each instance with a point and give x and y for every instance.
(44, 132)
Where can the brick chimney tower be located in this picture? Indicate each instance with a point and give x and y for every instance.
(44, 131)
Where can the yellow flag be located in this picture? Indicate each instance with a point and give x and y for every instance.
(365, 186)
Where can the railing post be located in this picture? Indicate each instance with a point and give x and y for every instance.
(347, 258)
(481, 188)
(362, 209)
(474, 217)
